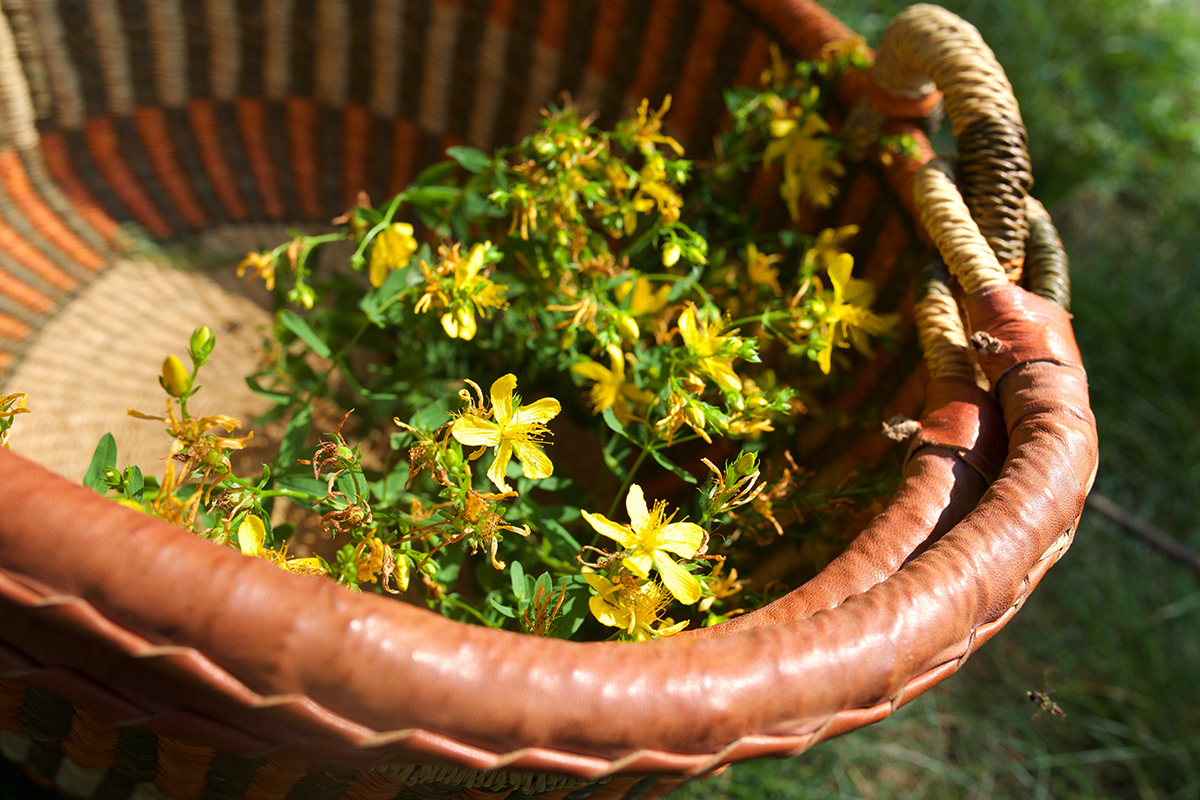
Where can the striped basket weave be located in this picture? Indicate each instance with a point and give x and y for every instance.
(138, 662)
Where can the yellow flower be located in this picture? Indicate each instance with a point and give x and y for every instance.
(705, 341)
(720, 586)
(519, 431)
(471, 293)
(779, 72)
(849, 319)
(391, 250)
(263, 265)
(828, 246)
(611, 389)
(808, 163)
(645, 299)
(759, 269)
(635, 608)
(679, 411)
(10, 406)
(647, 130)
(252, 535)
(654, 191)
(650, 538)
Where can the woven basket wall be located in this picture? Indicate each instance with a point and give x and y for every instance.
(145, 146)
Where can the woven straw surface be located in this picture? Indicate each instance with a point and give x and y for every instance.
(101, 355)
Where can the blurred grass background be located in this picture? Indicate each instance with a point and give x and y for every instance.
(1109, 90)
(1110, 93)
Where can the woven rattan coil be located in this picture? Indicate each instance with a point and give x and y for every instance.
(170, 668)
(926, 43)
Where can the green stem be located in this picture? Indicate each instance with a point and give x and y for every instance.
(465, 607)
(337, 361)
(612, 509)
(639, 242)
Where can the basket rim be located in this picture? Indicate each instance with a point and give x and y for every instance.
(403, 677)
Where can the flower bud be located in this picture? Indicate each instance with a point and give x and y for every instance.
(628, 327)
(746, 463)
(202, 343)
(670, 254)
(175, 378)
(403, 571)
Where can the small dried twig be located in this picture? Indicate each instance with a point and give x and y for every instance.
(1145, 531)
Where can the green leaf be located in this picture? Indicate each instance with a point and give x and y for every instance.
(434, 415)
(494, 600)
(275, 397)
(471, 159)
(671, 465)
(296, 324)
(104, 457)
(563, 544)
(610, 419)
(433, 174)
(294, 436)
(517, 573)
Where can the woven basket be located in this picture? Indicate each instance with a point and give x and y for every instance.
(137, 661)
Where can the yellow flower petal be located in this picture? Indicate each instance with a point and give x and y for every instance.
(592, 371)
(468, 269)
(839, 274)
(635, 505)
(608, 614)
(534, 462)
(825, 358)
(639, 564)
(600, 583)
(460, 323)
(723, 374)
(679, 582)
(688, 327)
(681, 538)
(499, 469)
(251, 536)
(304, 566)
(540, 411)
(450, 325)
(391, 250)
(670, 630)
(502, 397)
(475, 432)
(621, 534)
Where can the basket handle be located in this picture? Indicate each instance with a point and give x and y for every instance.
(926, 45)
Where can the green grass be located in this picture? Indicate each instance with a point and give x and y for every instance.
(1109, 91)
